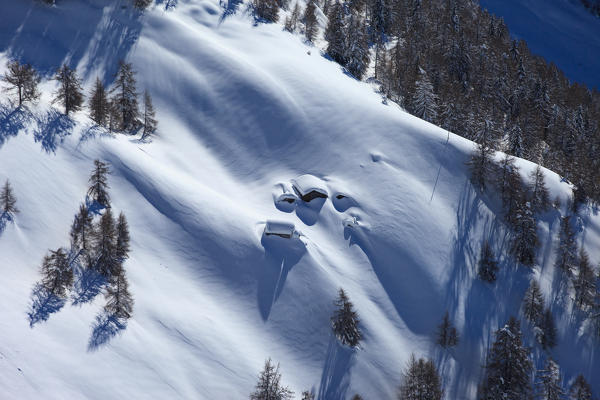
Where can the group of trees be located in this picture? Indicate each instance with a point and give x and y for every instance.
(101, 247)
(139, 4)
(539, 316)
(509, 372)
(119, 112)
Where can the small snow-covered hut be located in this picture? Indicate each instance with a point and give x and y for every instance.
(309, 187)
(279, 228)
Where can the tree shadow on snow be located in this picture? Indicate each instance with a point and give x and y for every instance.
(104, 329)
(52, 130)
(280, 257)
(87, 285)
(335, 378)
(43, 304)
(12, 120)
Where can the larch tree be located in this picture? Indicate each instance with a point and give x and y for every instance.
(150, 122)
(119, 302)
(549, 382)
(566, 259)
(420, 380)
(508, 368)
(266, 10)
(533, 303)
(447, 336)
(307, 395)
(345, 322)
(540, 199)
(310, 21)
(547, 333)
(580, 389)
(125, 97)
(269, 386)
(425, 101)
(99, 104)
(481, 163)
(335, 33)
(98, 190)
(57, 275)
(291, 21)
(488, 266)
(8, 201)
(82, 230)
(525, 241)
(584, 282)
(70, 92)
(122, 242)
(23, 79)
(105, 244)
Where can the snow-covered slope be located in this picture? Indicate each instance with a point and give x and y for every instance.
(243, 110)
(561, 31)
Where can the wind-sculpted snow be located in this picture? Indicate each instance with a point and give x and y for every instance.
(242, 111)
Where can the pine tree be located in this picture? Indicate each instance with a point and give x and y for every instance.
(508, 369)
(122, 243)
(335, 34)
(525, 239)
(549, 384)
(425, 100)
(269, 385)
(70, 92)
(57, 275)
(584, 282)
(8, 201)
(99, 104)
(149, 116)
(567, 251)
(488, 266)
(98, 190)
(420, 381)
(533, 303)
(345, 321)
(82, 229)
(580, 389)
(105, 244)
(540, 199)
(310, 21)
(125, 97)
(447, 336)
(267, 10)
(547, 335)
(119, 302)
(23, 79)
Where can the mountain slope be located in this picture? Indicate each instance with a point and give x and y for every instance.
(243, 109)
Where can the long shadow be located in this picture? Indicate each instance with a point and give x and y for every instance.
(309, 212)
(43, 304)
(37, 34)
(4, 220)
(280, 257)
(88, 284)
(52, 130)
(12, 120)
(104, 329)
(335, 378)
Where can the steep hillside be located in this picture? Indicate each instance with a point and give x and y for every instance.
(243, 109)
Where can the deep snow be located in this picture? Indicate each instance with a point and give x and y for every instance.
(243, 110)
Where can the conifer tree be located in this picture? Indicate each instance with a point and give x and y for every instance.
(549, 382)
(125, 97)
(82, 230)
(488, 266)
(105, 244)
(267, 10)
(119, 302)
(57, 275)
(335, 33)
(508, 369)
(291, 22)
(425, 100)
(533, 303)
(8, 201)
(584, 282)
(269, 386)
(580, 389)
(98, 190)
(142, 4)
(70, 92)
(345, 321)
(355, 47)
(122, 243)
(540, 199)
(481, 163)
(525, 240)
(149, 116)
(447, 336)
(310, 21)
(547, 334)
(306, 395)
(99, 104)
(567, 251)
(420, 381)
(23, 79)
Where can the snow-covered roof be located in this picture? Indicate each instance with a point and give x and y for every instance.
(308, 183)
(280, 228)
